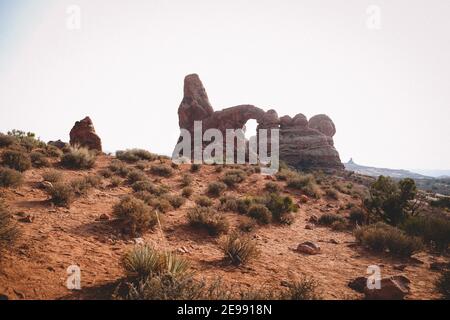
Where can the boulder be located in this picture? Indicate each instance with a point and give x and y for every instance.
(58, 144)
(308, 248)
(392, 288)
(83, 135)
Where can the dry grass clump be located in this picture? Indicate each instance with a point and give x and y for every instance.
(273, 187)
(6, 141)
(52, 175)
(327, 219)
(305, 183)
(381, 237)
(61, 194)
(358, 216)
(331, 194)
(10, 178)
(186, 180)
(175, 200)
(17, 160)
(238, 249)
(216, 188)
(204, 201)
(135, 155)
(115, 182)
(233, 177)
(136, 216)
(434, 230)
(281, 208)
(187, 192)
(228, 203)
(150, 187)
(304, 289)
(78, 158)
(195, 167)
(135, 175)
(8, 229)
(39, 160)
(119, 168)
(208, 219)
(162, 170)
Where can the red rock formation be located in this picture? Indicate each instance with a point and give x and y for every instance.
(83, 135)
(303, 143)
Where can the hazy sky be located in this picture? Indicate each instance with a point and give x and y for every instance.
(387, 89)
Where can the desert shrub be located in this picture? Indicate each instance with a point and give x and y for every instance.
(10, 178)
(144, 185)
(305, 289)
(432, 229)
(135, 175)
(161, 204)
(204, 201)
(331, 194)
(243, 205)
(247, 224)
(6, 141)
(162, 170)
(441, 203)
(215, 188)
(61, 194)
(81, 186)
(119, 168)
(39, 160)
(16, 160)
(78, 158)
(52, 151)
(305, 183)
(175, 200)
(208, 219)
(285, 174)
(186, 180)
(115, 182)
(443, 284)
(52, 175)
(228, 203)
(134, 155)
(136, 216)
(26, 140)
(339, 225)
(8, 229)
(260, 213)
(195, 167)
(327, 219)
(106, 173)
(280, 207)
(389, 201)
(187, 192)
(273, 187)
(380, 237)
(233, 177)
(145, 261)
(141, 165)
(358, 216)
(218, 169)
(238, 249)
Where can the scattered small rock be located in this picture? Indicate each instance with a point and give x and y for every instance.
(313, 219)
(104, 217)
(333, 241)
(27, 219)
(400, 267)
(309, 227)
(308, 247)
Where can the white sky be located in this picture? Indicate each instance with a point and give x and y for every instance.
(387, 90)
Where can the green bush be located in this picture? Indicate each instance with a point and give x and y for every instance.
(136, 216)
(209, 219)
(39, 160)
(162, 170)
(215, 188)
(187, 192)
(204, 201)
(61, 194)
(10, 178)
(238, 249)
(327, 219)
(389, 201)
(432, 229)
(305, 183)
(260, 213)
(281, 207)
(273, 187)
(135, 155)
(233, 177)
(78, 158)
(443, 285)
(52, 175)
(16, 160)
(380, 237)
(8, 229)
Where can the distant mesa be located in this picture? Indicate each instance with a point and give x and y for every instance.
(303, 144)
(83, 135)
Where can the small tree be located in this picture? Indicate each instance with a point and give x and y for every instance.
(390, 201)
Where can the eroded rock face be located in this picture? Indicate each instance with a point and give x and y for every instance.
(83, 135)
(303, 143)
